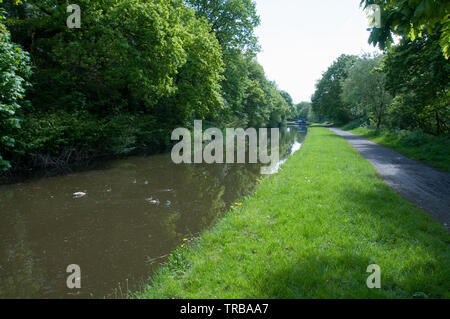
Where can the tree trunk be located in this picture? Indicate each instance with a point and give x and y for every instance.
(380, 116)
(438, 123)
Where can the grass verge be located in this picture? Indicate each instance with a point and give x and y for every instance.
(311, 231)
(432, 150)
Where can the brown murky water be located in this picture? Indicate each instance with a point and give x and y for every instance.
(136, 211)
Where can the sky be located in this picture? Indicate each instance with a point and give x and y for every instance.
(300, 39)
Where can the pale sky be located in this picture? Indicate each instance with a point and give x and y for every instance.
(301, 38)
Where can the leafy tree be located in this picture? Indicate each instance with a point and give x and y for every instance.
(133, 71)
(129, 60)
(263, 103)
(255, 104)
(418, 74)
(279, 108)
(303, 110)
(15, 69)
(198, 89)
(411, 19)
(235, 83)
(326, 101)
(128, 55)
(417, 71)
(364, 90)
(232, 21)
(287, 97)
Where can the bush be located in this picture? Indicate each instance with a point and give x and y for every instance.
(355, 124)
(61, 137)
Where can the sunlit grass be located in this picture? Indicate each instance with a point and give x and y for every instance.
(311, 231)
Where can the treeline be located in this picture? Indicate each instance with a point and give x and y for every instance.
(135, 70)
(407, 87)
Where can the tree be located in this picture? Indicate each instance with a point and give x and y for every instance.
(136, 69)
(198, 89)
(364, 90)
(303, 110)
(255, 104)
(232, 21)
(287, 97)
(235, 83)
(279, 108)
(263, 103)
(128, 55)
(15, 69)
(411, 19)
(417, 69)
(326, 101)
(417, 74)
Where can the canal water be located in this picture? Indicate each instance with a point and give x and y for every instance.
(135, 212)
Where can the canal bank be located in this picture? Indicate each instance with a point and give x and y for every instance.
(311, 231)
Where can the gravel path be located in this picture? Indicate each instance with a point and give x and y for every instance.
(423, 185)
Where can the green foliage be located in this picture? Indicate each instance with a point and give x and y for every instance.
(303, 110)
(164, 61)
(250, 99)
(232, 21)
(414, 73)
(364, 90)
(129, 61)
(263, 103)
(406, 88)
(15, 69)
(326, 101)
(287, 97)
(417, 74)
(198, 93)
(411, 19)
(127, 55)
(235, 82)
(59, 137)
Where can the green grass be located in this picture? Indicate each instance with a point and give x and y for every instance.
(311, 231)
(432, 150)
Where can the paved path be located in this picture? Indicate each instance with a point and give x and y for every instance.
(423, 185)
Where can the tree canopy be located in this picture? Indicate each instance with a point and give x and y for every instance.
(326, 101)
(407, 86)
(411, 19)
(133, 71)
(364, 90)
(233, 22)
